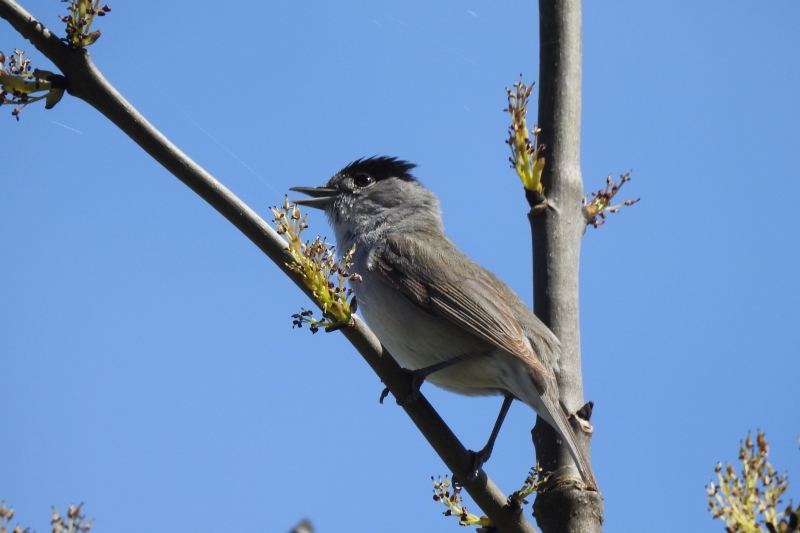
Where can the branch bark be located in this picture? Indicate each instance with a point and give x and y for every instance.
(86, 82)
(556, 235)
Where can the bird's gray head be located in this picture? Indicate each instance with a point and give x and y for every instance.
(371, 196)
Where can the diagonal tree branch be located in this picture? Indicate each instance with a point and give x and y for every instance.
(86, 82)
(556, 234)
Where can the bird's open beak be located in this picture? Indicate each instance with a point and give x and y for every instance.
(321, 197)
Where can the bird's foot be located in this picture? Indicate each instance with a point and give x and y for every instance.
(417, 379)
(478, 460)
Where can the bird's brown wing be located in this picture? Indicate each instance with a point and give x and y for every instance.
(426, 277)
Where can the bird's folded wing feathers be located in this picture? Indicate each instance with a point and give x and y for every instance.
(466, 300)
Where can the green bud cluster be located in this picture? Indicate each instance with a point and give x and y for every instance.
(18, 84)
(749, 502)
(526, 156)
(79, 22)
(596, 208)
(321, 272)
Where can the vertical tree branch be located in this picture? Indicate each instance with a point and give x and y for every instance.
(556, 234)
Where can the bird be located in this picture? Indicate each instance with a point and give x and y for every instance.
(439, 314)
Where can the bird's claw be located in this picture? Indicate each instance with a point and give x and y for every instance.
(417, 379)
(384, 394)
(478, 460)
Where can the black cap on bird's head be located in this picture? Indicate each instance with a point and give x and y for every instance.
(380, 168)
(359, 174)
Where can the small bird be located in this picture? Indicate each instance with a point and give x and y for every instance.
(439, 314)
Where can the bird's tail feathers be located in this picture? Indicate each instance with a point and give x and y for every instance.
(560, 423)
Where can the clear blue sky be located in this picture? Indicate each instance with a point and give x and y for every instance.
(148, 363)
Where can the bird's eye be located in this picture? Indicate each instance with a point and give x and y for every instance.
(363, 180)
